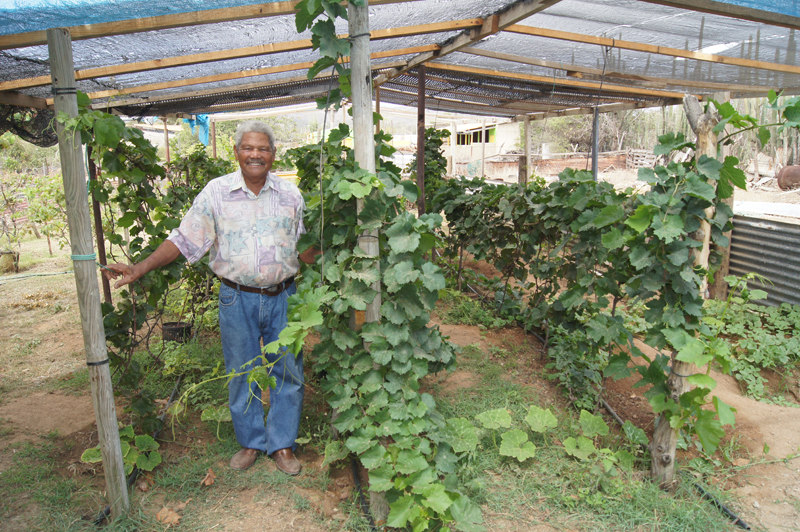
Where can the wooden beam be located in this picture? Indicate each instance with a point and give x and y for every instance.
(652, 49)
(491, 25)
(235, 88)
(727, 9)
(23, 100)
(604, 108)
(244, 74)
(560, 82)
(138, 25)
(582, 72)
(237, 53)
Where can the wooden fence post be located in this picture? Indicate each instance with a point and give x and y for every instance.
(364, 151)
(69, 145)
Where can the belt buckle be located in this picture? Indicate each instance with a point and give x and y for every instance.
(273, 290)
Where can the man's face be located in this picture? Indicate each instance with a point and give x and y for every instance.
(254, 155)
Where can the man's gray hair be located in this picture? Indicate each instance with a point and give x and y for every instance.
(254, 126)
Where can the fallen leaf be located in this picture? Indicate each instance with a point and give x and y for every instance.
(181, 506)
(209, 479)
(168, 516)
(142, 486)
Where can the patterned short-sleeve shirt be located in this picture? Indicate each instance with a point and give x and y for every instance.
(251, 238)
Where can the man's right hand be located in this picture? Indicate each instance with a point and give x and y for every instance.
(129, 273)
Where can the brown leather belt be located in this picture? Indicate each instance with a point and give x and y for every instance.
(273, 290)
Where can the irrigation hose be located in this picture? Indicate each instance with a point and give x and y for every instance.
(361, 499)
(706, 495)
(103, 515)
(24, 276)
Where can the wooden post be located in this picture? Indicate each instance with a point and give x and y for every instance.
(719, 288)
(213, 139)
(483, 148)
(451, 170)
(378, 109)
(98, 229)
(69, 145)
(665, 438)
(364, 151)
(421, 139)
(166, 137)
(595, 141)
(528, 167)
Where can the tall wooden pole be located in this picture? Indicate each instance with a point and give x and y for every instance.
(378, 109)
(528, 167)
(364, 151)
(483, 148)
(421, 139)
(166, 137)
(719, 288)
(69, 145)
(665, 438)
(595, 141)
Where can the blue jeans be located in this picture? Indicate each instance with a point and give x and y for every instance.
(244, 320)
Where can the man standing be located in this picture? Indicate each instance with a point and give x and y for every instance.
(249, 221)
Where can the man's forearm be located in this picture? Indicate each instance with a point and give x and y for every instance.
(163, 255)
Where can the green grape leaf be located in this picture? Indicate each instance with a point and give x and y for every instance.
(702, 381)
(432, 277)
(634, 434)
(381, 478)
(725, 412)
(495, 419)
(540, 420)
(709, 430)
(145, 442)
(401, 511)
(641, 218)
(216, 413)
(593, 425)
(335, 451)
(608, 215)
(435, 497)
(410, 461)
(613, 239)
(515, 443)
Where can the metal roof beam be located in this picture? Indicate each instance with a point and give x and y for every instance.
(582, 72)
(138, 25)
(491, 25)
(238, 53)
(651, 49)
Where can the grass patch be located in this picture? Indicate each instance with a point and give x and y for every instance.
(457, 309)
(75, 383)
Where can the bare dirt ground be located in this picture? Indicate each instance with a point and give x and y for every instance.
(41, 351)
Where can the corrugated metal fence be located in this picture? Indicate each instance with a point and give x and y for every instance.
(771, 249)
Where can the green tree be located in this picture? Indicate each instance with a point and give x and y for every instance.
(47, 208)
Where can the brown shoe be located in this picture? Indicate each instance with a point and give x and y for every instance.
(244, 459)
(286, 462)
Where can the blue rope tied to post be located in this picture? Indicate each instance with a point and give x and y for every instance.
(93, 256)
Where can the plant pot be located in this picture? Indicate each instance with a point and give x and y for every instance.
(176, 331)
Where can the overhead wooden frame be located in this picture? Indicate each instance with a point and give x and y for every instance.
(242, 74)
(608, 87)
(652, 49)
(624, 106)
(231, 89)
(237, 53)
(138, 25)
(582, 72)
(491, 26)
(727, 9)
